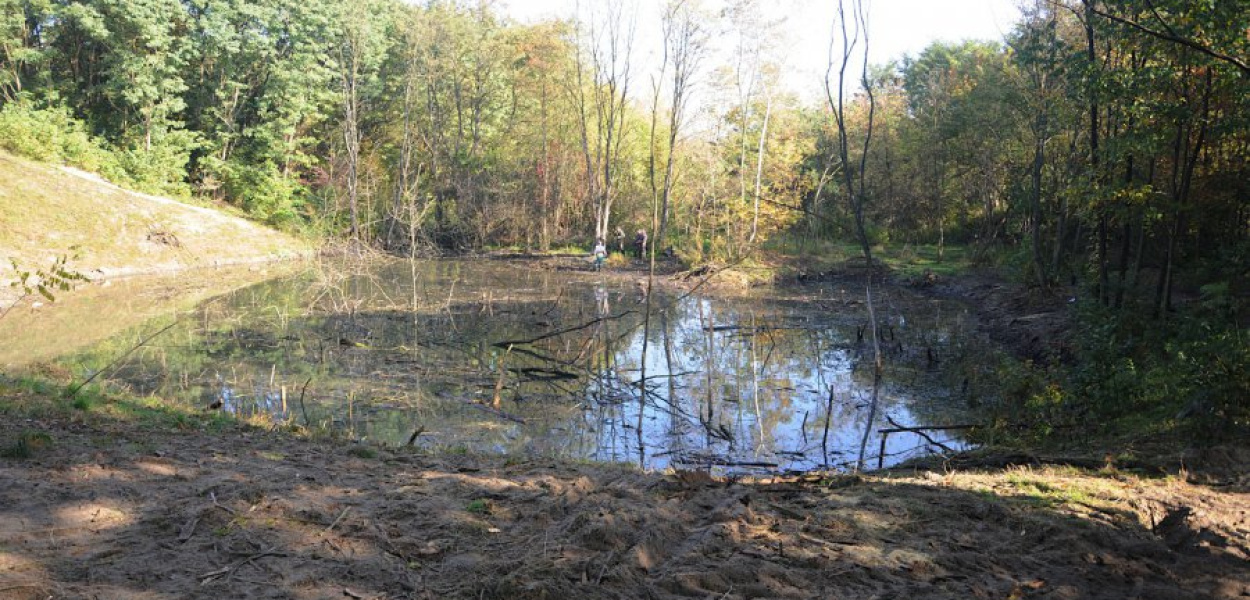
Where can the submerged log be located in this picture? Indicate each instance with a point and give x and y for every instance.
(541, 374)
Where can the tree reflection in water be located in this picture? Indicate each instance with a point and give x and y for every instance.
(484, 356)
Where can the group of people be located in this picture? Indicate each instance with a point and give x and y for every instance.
(600, 253)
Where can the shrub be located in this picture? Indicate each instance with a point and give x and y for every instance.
(26, 445)
(1184, 373)
(162, 167)
(263, 191)
(52, 135)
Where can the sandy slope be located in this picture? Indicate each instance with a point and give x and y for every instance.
(48, 211)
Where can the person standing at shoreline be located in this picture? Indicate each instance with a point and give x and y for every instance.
(640, 243)
(600, 254)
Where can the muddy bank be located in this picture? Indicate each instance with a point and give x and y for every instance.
(1034, 324)
(108, 509)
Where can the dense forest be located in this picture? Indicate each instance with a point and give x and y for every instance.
(1103, 146)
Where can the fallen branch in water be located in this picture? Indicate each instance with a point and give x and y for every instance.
(541, 374)
(547, 336)
(542, 357)
(495, 411)
(900, 429)
(74, 392)
(920, 431)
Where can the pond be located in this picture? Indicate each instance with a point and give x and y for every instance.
(495, 356)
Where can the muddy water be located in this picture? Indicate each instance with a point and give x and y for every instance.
(491, 356)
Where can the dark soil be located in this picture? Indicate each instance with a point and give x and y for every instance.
(1033, 324)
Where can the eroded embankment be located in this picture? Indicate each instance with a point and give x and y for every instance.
(107, 508)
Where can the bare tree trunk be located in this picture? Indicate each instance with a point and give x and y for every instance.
(684, 31)
(855, 190)
(742, 152)
(759, 167)
(349, 56)
(400, 194)
(1035, 195)
(1104, 292)
(544, 239)
(653, 147)
(610, 60)
(1189, 160)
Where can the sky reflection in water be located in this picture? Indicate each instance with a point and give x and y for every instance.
(488, 356)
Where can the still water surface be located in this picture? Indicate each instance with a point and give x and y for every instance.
(491, 356)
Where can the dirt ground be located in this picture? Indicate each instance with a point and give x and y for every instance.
(105, 508)
(1033, 324)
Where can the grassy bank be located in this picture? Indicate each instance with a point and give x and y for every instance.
(48, 212)
(815, 257)
(113, 496)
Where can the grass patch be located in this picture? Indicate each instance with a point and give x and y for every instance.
(33, 398)
(27, 444)
(618, 259)
(1058, 487)
(915, 261)
(904, 260)
(478, 507)
(363, 452)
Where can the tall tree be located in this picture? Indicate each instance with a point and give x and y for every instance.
(600, 92)
(853, 175)
(362, 42)
(22, 50)
(685, 44)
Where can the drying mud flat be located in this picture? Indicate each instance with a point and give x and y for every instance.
(103, 507)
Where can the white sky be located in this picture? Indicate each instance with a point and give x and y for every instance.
(897, 27)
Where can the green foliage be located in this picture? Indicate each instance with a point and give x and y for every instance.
(263, 191)
(53, 135)
(1136, 375)
(18, 56)
(478, 507)
(44, 282)
(160, 168)
(267, 81)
